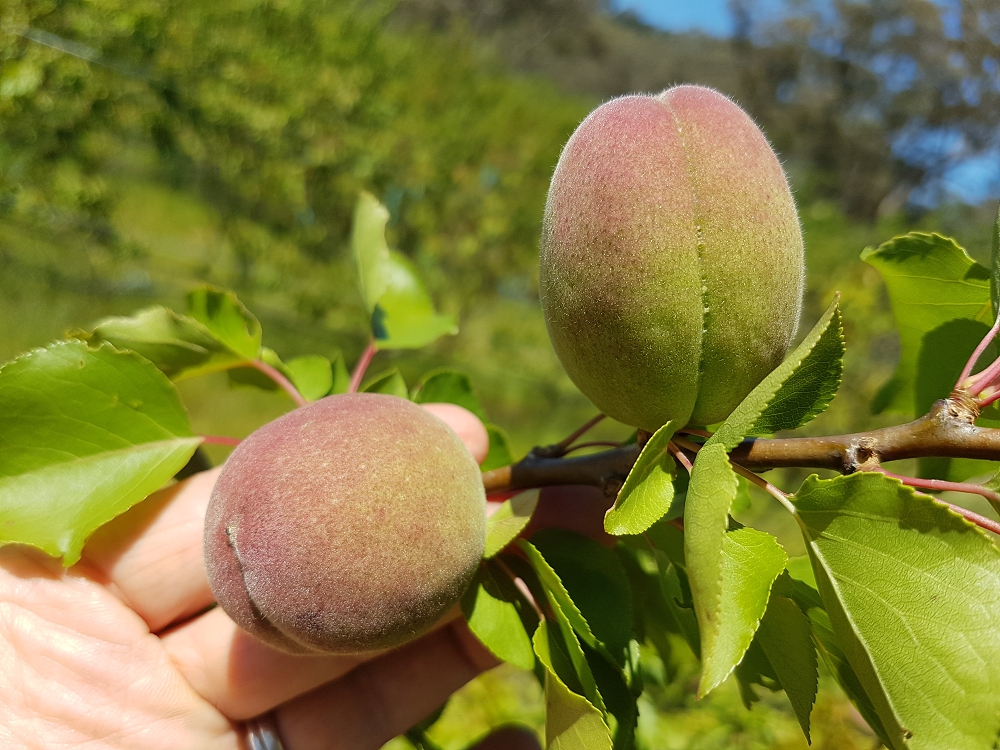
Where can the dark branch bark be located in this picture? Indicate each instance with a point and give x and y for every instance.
(948, 430)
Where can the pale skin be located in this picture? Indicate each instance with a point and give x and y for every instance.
(125, 650)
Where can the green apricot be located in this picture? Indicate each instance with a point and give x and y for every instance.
(672, 261)
(348, 525)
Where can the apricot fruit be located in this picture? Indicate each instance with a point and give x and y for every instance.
(348, 525)
(672, 259)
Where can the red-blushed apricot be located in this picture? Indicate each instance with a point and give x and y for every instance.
(348, 525)
(672, 260)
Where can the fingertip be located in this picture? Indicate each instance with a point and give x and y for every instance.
(466, 425)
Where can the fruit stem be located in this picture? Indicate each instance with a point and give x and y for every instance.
(361, 367)
(967, 370)
(944, 486)
(219, 440)
(284, 383)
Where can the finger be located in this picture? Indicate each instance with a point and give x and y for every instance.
(513, 737)
(151, 556)
(466, 425)
(240, 675)
(386, 696)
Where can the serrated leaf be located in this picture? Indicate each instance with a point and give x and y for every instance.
(450, 387)
(390, 382)
(785, 636)
(508, 521)
(931, 281)
(673, 595)
(571, 721)
(500, 616)
(570, 621)
(913, 595)
(751, 561)
(312, 376)
(811, 387)
(594, 580)
(84, 435)
(499, 454)
(714, 486)
(402, 313)
(178, 345)
(227, 318)
(648, 491)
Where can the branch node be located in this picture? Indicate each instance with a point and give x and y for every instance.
(962, 406)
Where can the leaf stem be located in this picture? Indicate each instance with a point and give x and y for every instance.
(682, 459)
(219, 440)
(359, 369)
(284, 383)
(945, 486)
(967, 370)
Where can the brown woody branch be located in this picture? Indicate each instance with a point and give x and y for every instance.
(948, 430)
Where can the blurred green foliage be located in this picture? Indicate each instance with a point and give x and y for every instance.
(147, 146)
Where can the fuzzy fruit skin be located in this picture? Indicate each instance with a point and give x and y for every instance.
(672, 260)
(348, 525)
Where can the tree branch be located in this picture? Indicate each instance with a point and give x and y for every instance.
(948, 430)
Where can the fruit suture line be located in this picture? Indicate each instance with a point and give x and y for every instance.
(948, 430)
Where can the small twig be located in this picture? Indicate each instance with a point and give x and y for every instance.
(967, 370)
(560, 449)
(284, 383)
(944, 486)
(593, 444)
(695, 431)
(682, 459)
(219, 440)
(359, 369)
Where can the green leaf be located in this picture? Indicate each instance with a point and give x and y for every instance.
(450, 387)
(570, 621)
(786, 639)
(812, 385)
(714, 486)
(508, 521)
(402, 313)
(178, 345)
(499, 454)
(341, 377)
(751, 561)
(913, 595)
(571, 721)
(499, 615)
(648, 490)
(673, 596)
(225, 316)
(931, 281)
(312, 376)
(593, 579)
(86, 434)
(390, 382)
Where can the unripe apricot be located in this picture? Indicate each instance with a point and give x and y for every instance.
(672, 260)
(348, 525)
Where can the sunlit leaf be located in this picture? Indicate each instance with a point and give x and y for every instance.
(227, 318)
(499, 615)
(84, 435)
(390, 383)
(451, 387)
(312, 376)
(508, 521)
(913, 595)
(402, 313)
(714, 486)
(648, 490)
(571, 721)
(499, 454)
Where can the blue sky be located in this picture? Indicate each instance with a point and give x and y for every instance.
(710, 16)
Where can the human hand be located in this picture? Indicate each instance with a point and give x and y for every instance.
(124, 649)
